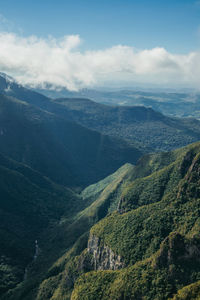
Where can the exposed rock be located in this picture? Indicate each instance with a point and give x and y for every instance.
(103, 258)
(120, 209)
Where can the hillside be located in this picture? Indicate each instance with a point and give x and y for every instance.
(150, 247)
(29, 204)
(135, 123)
(69, 232)
(66, 152)
(65, 229)
(146, 244)
(143, 127)
(9, 87)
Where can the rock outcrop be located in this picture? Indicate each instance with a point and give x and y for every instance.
(103, 258)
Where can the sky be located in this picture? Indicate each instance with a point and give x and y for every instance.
(89, 43)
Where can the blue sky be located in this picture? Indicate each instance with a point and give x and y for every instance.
(83, 43)
(172, 24)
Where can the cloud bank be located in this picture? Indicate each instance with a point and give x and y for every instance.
(59, 63)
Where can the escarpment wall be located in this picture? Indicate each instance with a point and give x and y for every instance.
(103, 258)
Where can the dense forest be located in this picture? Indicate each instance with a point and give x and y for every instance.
(97, 201)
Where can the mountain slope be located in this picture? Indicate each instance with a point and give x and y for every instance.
(142, 248)
(29, 204)
(67, 153)
(9, 87)
(78, 215)
(146, 247)
(142, 127)
(155, 246)
(137, 124)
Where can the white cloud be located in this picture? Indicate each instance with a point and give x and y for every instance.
(60, 63)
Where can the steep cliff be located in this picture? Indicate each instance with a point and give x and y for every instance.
(103, 258)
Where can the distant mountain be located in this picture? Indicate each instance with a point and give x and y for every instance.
(135, 123)
(172, 103)
(183, 103)
(143, 127)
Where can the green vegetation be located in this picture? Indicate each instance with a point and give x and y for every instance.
(144, 127)
(155, 176)
(158, 241)
(70, 265)
(29, 204)
(147, 214)
(153, 278)
(157, 238)
(140, 122)
(168, 102)
(191, 291)
(65, 152)
(60, 224)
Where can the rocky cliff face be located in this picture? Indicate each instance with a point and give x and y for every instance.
(103, 258)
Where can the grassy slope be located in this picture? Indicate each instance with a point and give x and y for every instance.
(159, 262)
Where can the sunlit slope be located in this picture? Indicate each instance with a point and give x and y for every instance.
(156, 235)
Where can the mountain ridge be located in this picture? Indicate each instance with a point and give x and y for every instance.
(162, 237)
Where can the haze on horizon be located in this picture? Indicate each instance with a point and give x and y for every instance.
(88, 43)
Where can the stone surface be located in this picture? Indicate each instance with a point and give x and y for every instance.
(103, 258)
